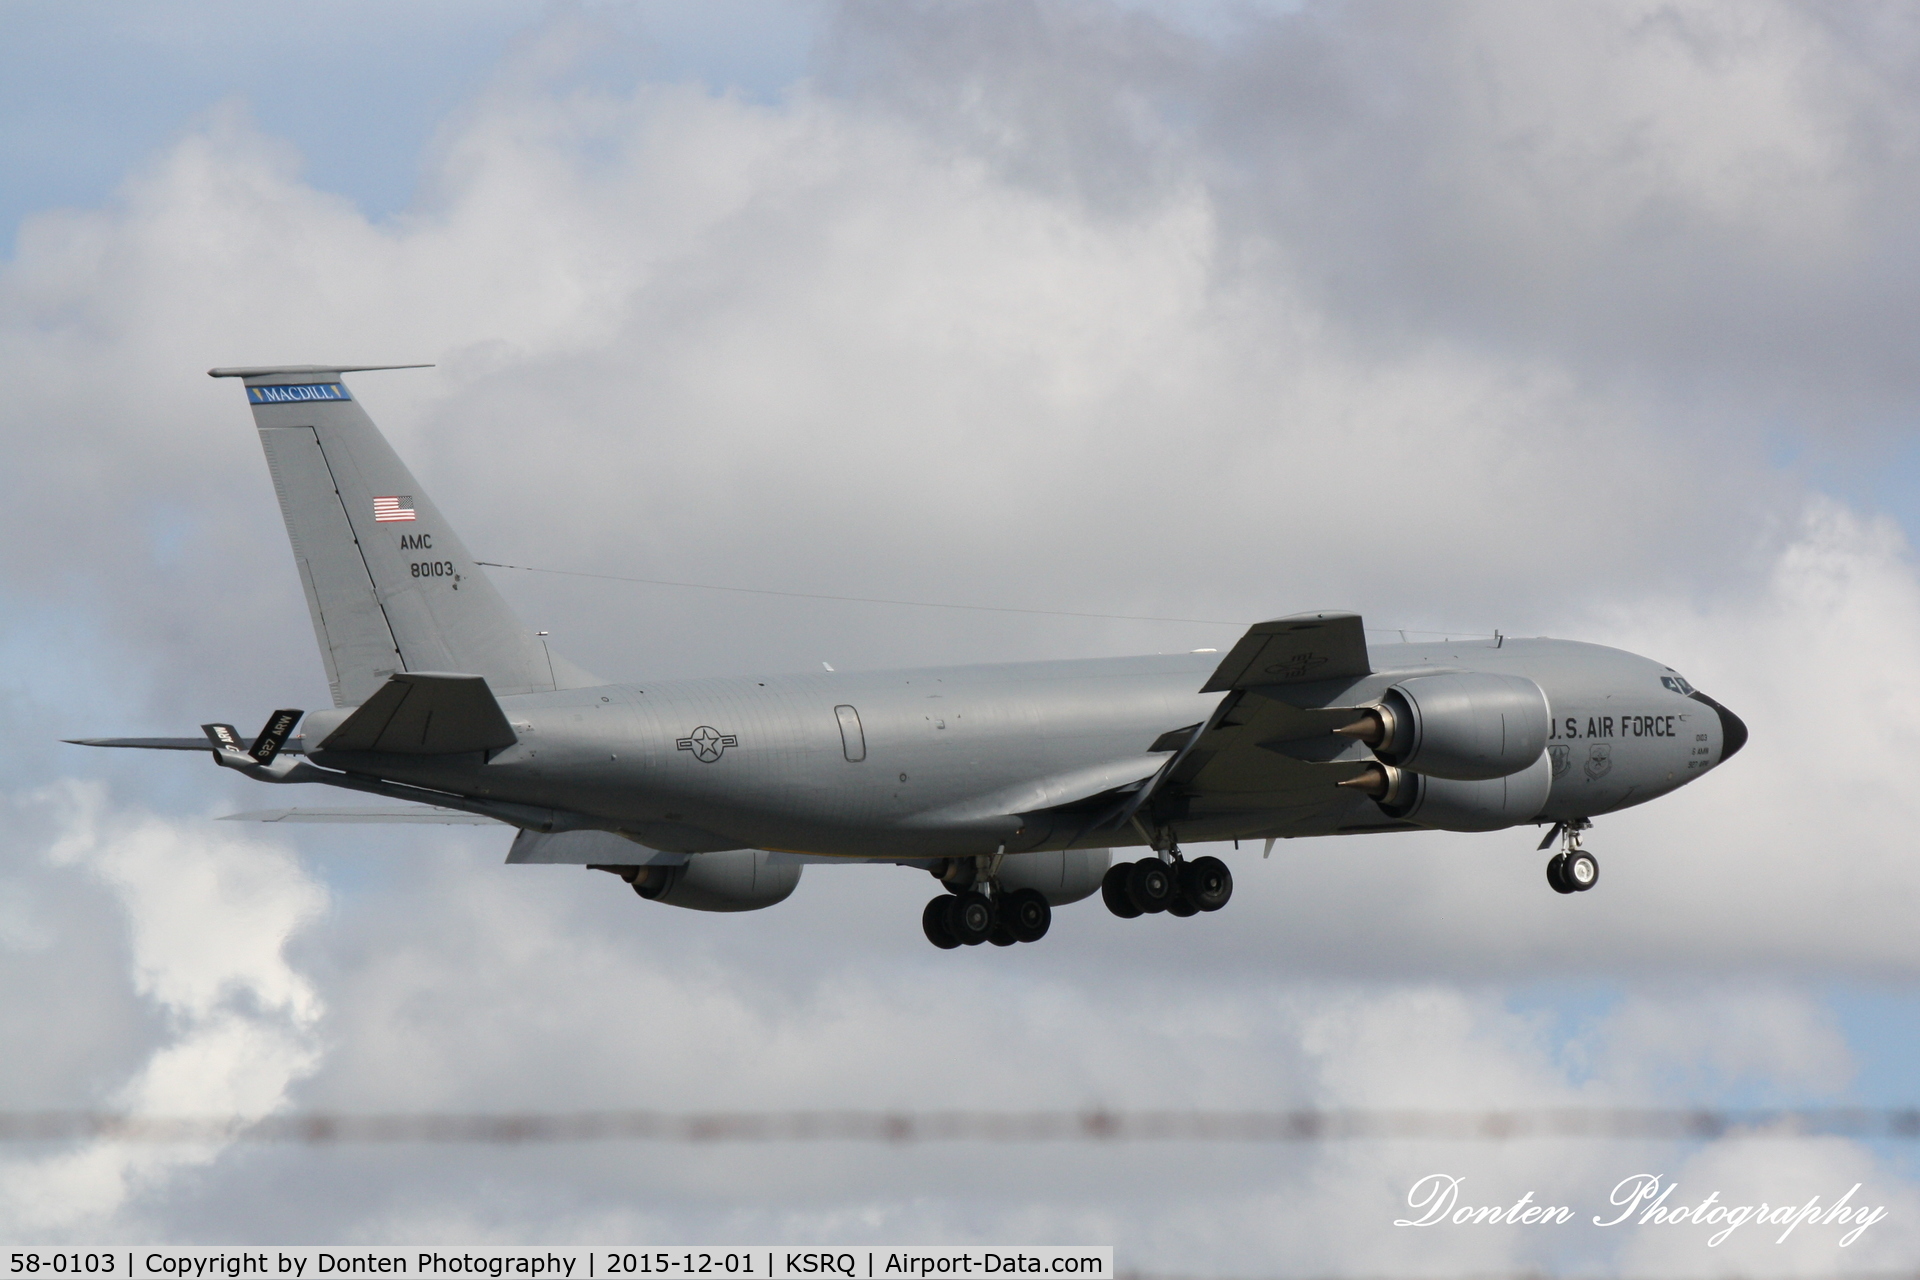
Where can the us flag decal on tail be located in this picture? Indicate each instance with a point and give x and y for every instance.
(400, 508)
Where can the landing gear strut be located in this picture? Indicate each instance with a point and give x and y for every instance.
(1573, 869)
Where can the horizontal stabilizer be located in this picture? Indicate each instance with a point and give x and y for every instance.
(1293, 650)
(423, 713)
(267, 370)
(363, 813)
(156, 744)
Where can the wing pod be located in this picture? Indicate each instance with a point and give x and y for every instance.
(1061, 875)
(1467, 726)
(729, 880)
(1451, 804)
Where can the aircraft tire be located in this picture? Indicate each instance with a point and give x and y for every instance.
(1002, 936)
(1029, 914)
(1113, 891)
(1151, 886)
(1206, 883)
(1581, 870)
(1182, 906)
(970, 918)
(933, 922)
(1556, 875)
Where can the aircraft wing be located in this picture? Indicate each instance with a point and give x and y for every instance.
(1257, 754)
(1058, 791)
(1264, 752)
(1260, 750)
(365, 813)
(1293, 650)
(588, 848)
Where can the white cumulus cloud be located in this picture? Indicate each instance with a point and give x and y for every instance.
(208, 916)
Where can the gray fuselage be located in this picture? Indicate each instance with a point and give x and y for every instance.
(952, 761)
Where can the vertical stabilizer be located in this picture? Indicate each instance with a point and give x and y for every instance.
(390, 586)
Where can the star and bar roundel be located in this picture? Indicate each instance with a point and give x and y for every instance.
(707, 743)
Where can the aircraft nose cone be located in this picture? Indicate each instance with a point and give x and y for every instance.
(1733, 730)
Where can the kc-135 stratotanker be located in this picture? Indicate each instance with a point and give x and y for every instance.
(1011, 783)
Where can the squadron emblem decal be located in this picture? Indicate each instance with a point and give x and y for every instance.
(707, 743)
(1599, 760)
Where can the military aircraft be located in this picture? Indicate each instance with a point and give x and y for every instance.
(1011, 783)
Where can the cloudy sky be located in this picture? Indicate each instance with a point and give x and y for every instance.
(1593, 321)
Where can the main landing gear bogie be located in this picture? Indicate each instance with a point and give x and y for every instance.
(1179, 888)
(969, 918)
(978, 910)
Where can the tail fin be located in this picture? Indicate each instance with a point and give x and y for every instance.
(390, 585)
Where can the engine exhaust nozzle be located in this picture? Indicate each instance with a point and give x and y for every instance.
(1382, 782)
(1374, 728)
(1373, 781)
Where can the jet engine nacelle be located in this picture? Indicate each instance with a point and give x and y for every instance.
(1468, 726)
(1451, 804)
(732, 880)
(1061, 875)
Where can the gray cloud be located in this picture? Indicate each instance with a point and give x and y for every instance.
(1706, 204)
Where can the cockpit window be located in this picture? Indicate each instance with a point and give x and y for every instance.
(1677, 683)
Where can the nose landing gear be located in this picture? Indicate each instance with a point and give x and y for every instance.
(1573, 869)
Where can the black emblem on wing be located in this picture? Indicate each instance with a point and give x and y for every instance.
(1296, 666)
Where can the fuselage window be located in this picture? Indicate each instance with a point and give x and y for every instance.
(1677, 683)
(853, 740)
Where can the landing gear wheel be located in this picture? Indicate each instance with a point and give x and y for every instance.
(1557, 875)
(1113, 890)
(1002, 936)
(933, 922)
(970, 918)
(1581, 870)
(1028, 914)
(1182, 906)
(1206, 883)
(1150, 885)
